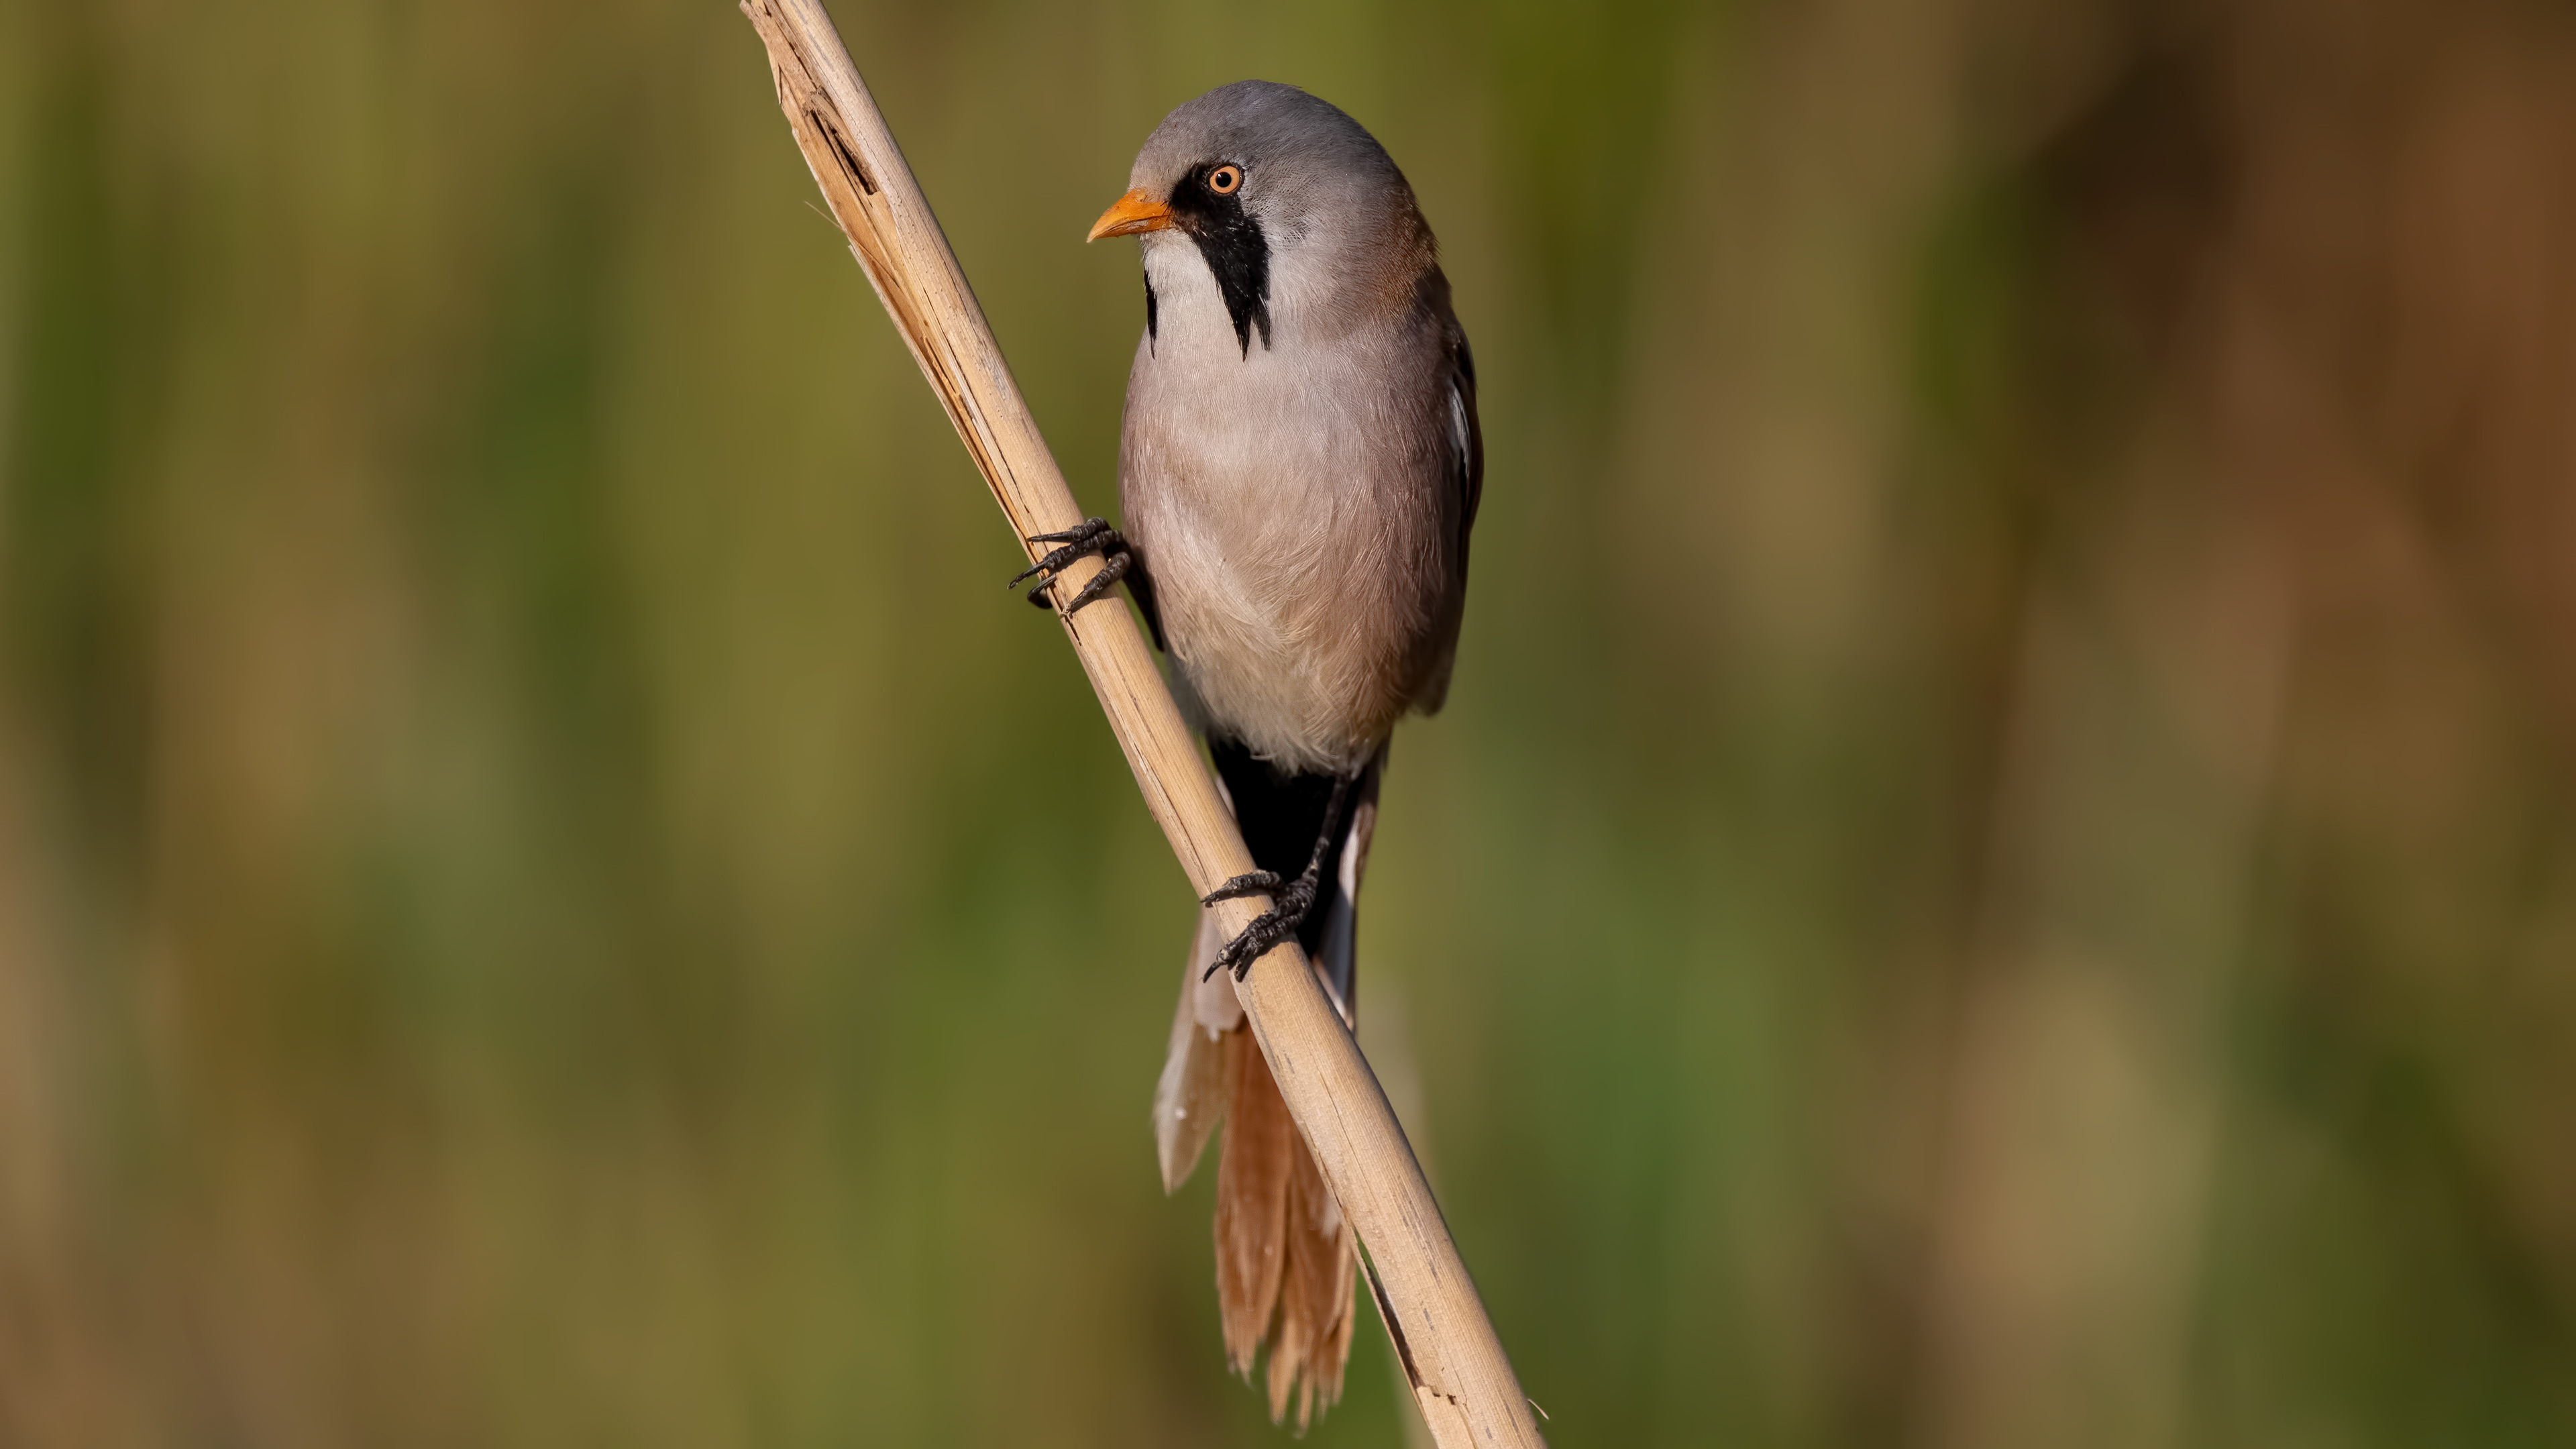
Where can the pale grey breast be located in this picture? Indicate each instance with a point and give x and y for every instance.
(1297, 469)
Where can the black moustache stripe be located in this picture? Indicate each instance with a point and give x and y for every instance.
(1230, 241)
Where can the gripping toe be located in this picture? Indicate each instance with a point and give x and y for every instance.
(1083, 540)
(1250, 883)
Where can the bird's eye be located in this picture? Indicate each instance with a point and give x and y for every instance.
(1224, 179)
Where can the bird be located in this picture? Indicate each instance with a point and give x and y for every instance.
(1299, 469)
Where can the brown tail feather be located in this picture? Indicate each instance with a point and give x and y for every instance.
(1286, 1260)
(1284, 1255)
(1252, 1173)
(1314, 1337)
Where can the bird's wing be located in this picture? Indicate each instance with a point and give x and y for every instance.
(1466, 438)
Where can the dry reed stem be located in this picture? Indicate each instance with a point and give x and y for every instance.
(1462, 1380)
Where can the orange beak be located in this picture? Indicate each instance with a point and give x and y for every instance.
(1135, 212)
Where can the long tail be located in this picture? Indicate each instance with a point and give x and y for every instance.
(1285, 1257)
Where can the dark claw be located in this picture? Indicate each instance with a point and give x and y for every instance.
(1289, 905)
(1050, 564)
(1268, 929)
(1087, 528)
(1112, 569)
(1091, 536)
(1251, 883)
(1053, 562)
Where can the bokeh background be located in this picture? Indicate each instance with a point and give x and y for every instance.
(2001, 870)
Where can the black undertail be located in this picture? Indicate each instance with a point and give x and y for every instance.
(1281, 815)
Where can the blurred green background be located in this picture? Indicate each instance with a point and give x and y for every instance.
(2001, 870)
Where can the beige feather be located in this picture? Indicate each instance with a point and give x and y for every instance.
(1190, 1097)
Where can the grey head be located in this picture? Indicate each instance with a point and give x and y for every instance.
(1277, 191)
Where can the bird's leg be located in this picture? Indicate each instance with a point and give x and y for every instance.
(1288, 906)
(1091, 536)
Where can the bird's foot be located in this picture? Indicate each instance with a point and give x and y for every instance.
(1091, 536)
(1287, 912)
(1288, 904)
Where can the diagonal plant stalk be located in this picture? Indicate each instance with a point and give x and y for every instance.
(1462, 1380)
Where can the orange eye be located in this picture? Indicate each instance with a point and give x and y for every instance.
(1224, 179)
